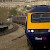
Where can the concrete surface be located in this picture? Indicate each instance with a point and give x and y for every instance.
(12, 42)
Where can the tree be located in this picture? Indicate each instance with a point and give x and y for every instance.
(13, 12)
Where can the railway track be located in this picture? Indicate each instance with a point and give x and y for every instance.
(22, 34)
(15, 40)
(15, 27)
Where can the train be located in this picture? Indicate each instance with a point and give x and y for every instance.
(19, 19)
(37, 28)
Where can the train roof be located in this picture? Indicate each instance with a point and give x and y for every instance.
(40, 8)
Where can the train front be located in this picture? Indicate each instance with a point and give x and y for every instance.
(38, 26)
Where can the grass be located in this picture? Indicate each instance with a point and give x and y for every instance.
(4, 13)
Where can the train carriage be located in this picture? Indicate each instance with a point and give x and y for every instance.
(38, 27)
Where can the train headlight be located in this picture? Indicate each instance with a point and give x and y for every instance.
(32, 30)
(49, 30)
(28, 30)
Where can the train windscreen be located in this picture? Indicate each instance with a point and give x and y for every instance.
(40, 17)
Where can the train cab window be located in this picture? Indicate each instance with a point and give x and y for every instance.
(40, 17)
